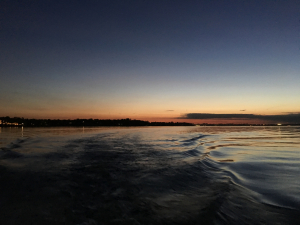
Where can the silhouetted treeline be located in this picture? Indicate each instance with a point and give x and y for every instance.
(16, 121)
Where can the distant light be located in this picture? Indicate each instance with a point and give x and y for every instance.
(279, 124)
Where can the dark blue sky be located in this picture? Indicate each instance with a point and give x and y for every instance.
(141, 59)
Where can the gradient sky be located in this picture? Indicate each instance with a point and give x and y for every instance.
(152, 60)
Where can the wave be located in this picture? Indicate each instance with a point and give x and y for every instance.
(123, 178)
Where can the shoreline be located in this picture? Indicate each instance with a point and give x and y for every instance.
(21, 122)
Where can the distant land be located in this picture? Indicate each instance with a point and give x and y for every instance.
(17, 121)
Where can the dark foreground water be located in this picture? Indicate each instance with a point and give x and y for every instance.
(176, 175)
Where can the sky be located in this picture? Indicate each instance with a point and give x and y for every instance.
(152, 60)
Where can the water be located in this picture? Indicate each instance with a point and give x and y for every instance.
(150, 175)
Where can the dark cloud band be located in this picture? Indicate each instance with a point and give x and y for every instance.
(284, 118)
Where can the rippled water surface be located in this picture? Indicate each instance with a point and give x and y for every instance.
(150, 175)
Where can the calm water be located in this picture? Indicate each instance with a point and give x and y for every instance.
(155, 175)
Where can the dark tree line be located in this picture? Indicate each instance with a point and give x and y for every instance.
(8, 121)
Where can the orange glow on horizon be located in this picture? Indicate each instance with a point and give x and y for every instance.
(162, 116)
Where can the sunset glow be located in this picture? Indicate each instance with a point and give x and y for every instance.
(149, 60)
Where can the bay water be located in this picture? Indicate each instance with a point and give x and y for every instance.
(150, 175)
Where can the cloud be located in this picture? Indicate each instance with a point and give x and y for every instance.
(283, 118)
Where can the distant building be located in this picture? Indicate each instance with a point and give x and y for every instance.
(9, 124)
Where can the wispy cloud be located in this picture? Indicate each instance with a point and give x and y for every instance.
(283, 118)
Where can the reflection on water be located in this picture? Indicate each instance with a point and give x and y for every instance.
(154, 175)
